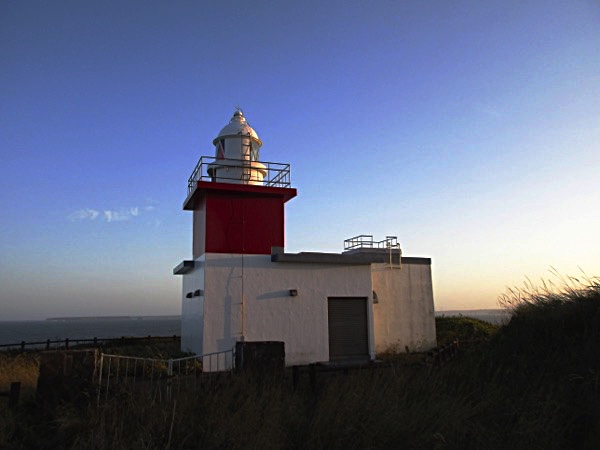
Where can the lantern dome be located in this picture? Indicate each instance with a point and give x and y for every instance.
(238, 126)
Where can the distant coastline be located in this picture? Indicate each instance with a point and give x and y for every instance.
(77, 318)
(466, 312)
(495, 316)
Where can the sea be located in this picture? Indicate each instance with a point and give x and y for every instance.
(73, 328)
(60, 328)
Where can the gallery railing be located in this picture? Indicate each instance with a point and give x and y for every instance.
(276, 174)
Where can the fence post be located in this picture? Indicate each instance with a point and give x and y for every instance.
(312, 375)
(13, 396)
(295, 376)
(100, 379)
(22, 345)
(169, 377)
(47, 344)
(67, 344)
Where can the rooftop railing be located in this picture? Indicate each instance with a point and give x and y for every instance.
(277, 174)
(366, 241)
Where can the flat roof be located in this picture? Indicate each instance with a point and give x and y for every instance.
(183, 267)
(356, 257)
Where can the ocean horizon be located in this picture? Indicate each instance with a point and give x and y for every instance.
(107, 327)
(101, 327)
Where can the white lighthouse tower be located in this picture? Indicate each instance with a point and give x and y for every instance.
(238, 207)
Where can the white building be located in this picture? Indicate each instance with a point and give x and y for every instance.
(242, 286)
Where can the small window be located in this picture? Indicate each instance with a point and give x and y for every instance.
(254, 152)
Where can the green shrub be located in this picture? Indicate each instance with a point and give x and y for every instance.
(465, 329)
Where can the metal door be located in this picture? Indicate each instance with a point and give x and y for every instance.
(348, 328)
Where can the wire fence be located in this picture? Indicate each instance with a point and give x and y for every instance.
(118, 373)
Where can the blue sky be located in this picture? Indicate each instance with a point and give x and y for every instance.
(471, 130)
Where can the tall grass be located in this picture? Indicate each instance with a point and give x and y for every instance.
(15, 367)
(534, 383)
(21, 367)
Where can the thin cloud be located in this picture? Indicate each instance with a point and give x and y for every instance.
(84, 214)
(109, 215)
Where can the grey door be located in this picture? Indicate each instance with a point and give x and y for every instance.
(348, 328)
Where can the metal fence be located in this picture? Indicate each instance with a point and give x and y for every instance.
(67, 343)
(119, 373)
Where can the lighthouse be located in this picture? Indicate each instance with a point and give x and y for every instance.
(241, 285)
(238, 210)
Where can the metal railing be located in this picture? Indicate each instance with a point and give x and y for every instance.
(118, 372)
(277, 174)
(366, 241)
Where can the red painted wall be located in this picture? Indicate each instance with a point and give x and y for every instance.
(238, 219)
(244, 224)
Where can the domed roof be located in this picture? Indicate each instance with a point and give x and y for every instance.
(237, 126)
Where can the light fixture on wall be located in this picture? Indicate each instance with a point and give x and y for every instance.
(375, 298)
(293, 292)
(189, 295)
(198, 292)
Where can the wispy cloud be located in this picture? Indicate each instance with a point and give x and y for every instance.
(119, 216)
(83, 214)
(109, 215)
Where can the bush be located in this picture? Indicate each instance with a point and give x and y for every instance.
(465, 329)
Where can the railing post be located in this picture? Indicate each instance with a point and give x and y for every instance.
(169, 377)
(108, 377)
(100, 379)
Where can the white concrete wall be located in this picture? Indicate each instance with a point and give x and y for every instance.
(270, 313)
(404, 315)
(192, 309)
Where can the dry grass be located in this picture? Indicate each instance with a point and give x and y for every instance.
(533, 383)
(21, 367)
(15, 367)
